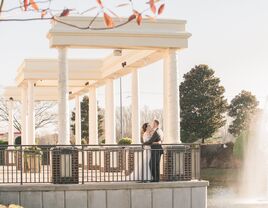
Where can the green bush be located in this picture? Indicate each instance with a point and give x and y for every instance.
(3, 142)
(125, 141)
(18, 141)
(33, 150)
(84, 141)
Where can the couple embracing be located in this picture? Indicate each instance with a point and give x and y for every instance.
(151, 138)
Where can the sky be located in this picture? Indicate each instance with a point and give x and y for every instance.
(231, 36)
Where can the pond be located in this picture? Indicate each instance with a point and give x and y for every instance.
(223, 196)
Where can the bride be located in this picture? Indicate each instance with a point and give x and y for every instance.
(142, 159)
(146, 136)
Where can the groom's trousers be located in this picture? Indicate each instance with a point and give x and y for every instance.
(156, 152)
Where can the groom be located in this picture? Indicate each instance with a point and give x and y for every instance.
(156, 151)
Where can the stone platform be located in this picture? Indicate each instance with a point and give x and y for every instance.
(183, 194)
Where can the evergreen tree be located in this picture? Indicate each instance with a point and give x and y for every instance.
(202, 104)
(84, 120)
(242, 108)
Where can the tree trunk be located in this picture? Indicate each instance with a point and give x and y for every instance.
(1, 6)
(203, 140)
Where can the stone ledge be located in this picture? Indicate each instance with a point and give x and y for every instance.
(102, 186)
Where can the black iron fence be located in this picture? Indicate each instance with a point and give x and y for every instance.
(64, 164)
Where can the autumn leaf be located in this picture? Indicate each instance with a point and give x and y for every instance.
(161, 9)
(132, 17)
(65, 13)
(43, 13)
(26, 3)
(152, 6)
(99, 2)
(139, 19)
(155, 1)
(108, 20)
(34, 5)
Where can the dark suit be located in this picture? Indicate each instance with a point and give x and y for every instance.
(156, 152)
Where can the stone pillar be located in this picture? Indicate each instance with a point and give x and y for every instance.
(93, 116)
(109, 113)
(171, 98)
(135, 110)
(24, 129)
(77, 120)
(10, 122)
(64, 118)
(31, 113)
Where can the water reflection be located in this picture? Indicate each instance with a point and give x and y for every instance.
(226, 197)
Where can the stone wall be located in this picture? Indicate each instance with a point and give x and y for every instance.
(187, 194)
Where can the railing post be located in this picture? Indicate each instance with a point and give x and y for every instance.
(83, 164)
(21, 164)
(142, 164)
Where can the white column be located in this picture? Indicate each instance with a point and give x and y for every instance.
(64, 122)
(77, 120)
(24, 134)
(31, 117)
(135, 109)
(10, 122)
(93, 116)
(109, 113)
(171, 98)
(165, 103)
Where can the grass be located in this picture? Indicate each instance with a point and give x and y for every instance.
(220, 177)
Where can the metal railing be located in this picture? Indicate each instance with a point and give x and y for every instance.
(63, 164)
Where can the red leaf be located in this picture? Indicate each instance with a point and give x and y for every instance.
(108, 20)
(26, 3)
(99, 2)
(132, 17)
(139, 19)
(152, 6)
(65, 13)
(43, 13)
(34, 5)
(161, 9)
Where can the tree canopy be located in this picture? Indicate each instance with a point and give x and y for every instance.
(202, 104)
(242, 108)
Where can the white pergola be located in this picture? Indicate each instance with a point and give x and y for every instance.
(66, 79)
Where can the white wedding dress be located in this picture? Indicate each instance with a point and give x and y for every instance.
(142, 158)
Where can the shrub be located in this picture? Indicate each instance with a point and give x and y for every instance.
(83, 141)
(102, 141)
(33, 151)
(3, 142)
(3, 145)
(18, 141)
(125, 141)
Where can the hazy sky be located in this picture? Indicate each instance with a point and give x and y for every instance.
(231, 36)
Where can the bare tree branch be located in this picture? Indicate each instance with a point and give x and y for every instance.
(43, 114)
(49, 11)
